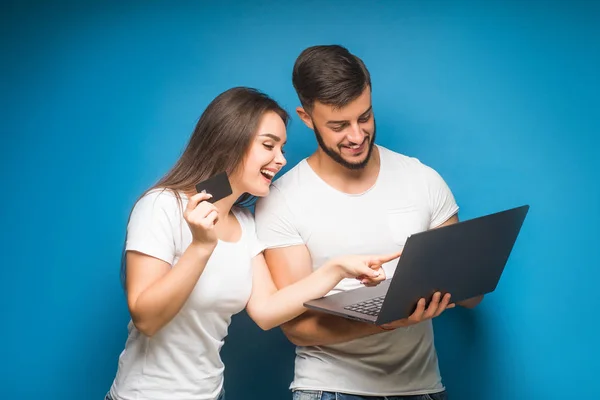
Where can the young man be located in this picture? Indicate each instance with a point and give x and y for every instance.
(352, 196)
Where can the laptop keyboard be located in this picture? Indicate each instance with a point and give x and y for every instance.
(369, 307)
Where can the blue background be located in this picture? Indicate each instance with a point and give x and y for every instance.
(99, 98)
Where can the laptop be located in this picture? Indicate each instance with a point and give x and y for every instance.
(465, 259)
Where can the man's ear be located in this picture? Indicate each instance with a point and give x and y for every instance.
(305, 117)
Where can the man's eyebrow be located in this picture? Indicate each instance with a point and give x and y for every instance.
(345, 121)
(366, 112)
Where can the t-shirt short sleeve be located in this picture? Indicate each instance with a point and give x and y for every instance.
(275, 222)
(255, 247)
(441, 200)
(151, 226)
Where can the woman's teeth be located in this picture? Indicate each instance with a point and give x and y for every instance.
(267, 174)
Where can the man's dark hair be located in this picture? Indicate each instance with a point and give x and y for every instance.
(329, 74)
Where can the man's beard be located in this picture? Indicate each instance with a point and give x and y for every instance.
(335, 156)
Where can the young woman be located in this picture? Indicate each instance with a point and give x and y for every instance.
(191, 265)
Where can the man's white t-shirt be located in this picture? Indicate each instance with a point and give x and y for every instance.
(302, 209)
(182, 360)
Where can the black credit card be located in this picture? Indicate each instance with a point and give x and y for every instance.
(217, 185)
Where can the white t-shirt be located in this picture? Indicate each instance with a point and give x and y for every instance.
(182, 360)
(408, 197)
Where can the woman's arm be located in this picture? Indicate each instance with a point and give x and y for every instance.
(155, 290)
(269, 307)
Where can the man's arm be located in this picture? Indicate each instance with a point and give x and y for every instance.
(291, 264)
(474, 301)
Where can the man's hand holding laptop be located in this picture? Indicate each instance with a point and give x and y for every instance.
(422, 313)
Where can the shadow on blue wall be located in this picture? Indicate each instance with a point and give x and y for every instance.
(258, 364)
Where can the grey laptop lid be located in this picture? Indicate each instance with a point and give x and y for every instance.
(465, 259)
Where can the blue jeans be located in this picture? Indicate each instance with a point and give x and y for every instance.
(319, 395)
(221, 396)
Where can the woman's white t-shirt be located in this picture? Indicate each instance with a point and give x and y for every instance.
(182, 360)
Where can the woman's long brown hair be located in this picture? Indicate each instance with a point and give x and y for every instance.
(219, 142)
